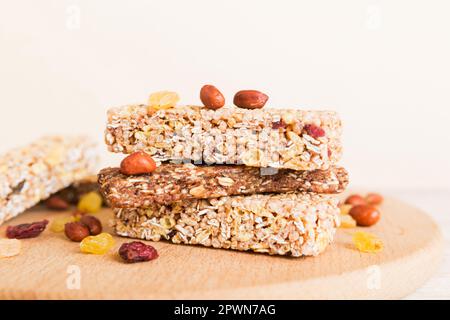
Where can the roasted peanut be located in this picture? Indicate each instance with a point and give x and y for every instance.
(365, 215)
(374, 198)
(137, 163)
(56, 203)
(76, 231)
(355, 199)
(211, 97)
(94, 225)
(250, 99)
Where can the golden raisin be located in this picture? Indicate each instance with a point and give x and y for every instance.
(347, 221)
(345, 208)
(90, 202)
(59, 223)
(366, 242)
(99, 244)
(163, 100)
(9, 247)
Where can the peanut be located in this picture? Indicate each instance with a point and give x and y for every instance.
(250, 99)
(137, 163)
(94, 225)
(211, 97)
(355, 199)
(365, 215)
(76, 231)
(374, 198)
(56, 203)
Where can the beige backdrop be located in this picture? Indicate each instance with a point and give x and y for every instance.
(384, 65)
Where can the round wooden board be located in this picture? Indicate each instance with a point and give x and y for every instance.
(48, 266)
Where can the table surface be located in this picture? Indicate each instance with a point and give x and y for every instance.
(436, 204)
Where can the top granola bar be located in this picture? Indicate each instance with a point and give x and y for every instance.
(279, 138)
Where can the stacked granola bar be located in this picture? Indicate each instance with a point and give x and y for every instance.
(245, 179)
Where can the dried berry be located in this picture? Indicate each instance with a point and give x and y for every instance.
(355, 199)
(365, 215)
(56, 203)
(374, 199)
(99, 244)
(76, 231)
(211, 97)
(163, 100)
(314, 131)
(58, 224)
(9, 247)
(279, 124)
(94, 225)
(26, 230)
(137, 163)
(137, 251)
(366, 242)
(90, 202)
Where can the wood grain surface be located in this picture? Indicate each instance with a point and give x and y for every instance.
(48, 264)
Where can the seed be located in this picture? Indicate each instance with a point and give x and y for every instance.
(76, 231)
(365, 215)
(94, 225)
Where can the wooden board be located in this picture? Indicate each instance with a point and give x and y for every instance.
(413, 249)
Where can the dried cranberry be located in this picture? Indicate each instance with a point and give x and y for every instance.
(278, 124)
(314, 131)
(137, 251)
(26, 230)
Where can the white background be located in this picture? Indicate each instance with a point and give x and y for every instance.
(384, 65)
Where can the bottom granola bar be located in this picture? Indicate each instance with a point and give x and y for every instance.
(297, 224)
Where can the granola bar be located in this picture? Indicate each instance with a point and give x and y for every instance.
(176, 182)
(280, 138)
(297, 224)
(32, 173)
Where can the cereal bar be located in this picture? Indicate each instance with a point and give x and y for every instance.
(176, 182)
(279, 138)
(297, 224)
(34, 172)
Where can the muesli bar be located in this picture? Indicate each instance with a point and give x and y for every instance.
(296, 224)
(280, 138)
(175, 182)
(34, 172)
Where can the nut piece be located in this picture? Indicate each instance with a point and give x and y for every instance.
(250, 99)
(211, 97)
(365, 215)
(94, 225)
(355, 199)
(137, 163)
(56, 203)
(76, 231)
(374, 199)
